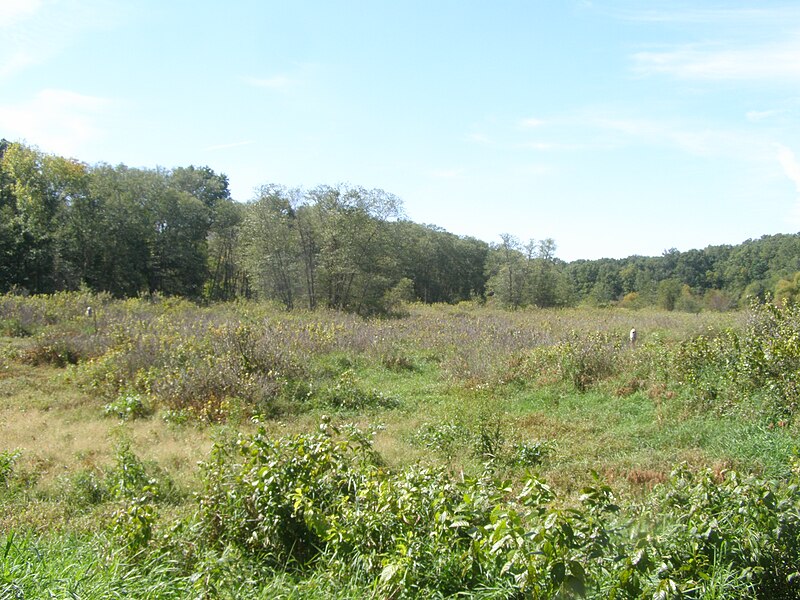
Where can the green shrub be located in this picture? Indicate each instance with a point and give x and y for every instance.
(586, 360)
(446, 438)
(743, 528)
(530, 454)
(86, 488)
(346, 393)
(276, 501)
(324, 498)
(14, 327)
(128, 406)
(753, 371)
(133, 522)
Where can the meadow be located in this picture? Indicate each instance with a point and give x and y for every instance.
(156, 448)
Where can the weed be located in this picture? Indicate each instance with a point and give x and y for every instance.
(85, 487)
(127, 407)
(530, 454)
(444, 438)
(346, 393)
(8, 459)
(14, 327)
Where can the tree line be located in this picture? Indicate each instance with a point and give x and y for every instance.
(65, 225)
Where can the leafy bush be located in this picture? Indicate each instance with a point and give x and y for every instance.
(127, 406)
(445, 438)
(54, 348)
(588, 359)
(530, 454)
(14, 327)
(416, 532)
(744, 527)
(133, 522)
(756, 370)
(489, 439)
(85, 487)
(275, 502)
(346, 393)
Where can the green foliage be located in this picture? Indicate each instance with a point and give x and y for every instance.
(8, 459)
(415, 532)
(788, 290)
(347, 394)
(79, 566)
(755, 370)
(13, 328)
(275, 502)
(87, 488)
(128, 406)
(587, 359)
(446, 438)
(746, 527)
(134, 520)
(580, 361)
(488, 439)
(493, 393)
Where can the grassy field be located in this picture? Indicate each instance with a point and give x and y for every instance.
(158, 449)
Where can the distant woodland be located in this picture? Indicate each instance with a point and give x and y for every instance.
(67, 225)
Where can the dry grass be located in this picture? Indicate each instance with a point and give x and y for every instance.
(60, 430)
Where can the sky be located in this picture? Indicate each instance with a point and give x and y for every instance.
(614, 127)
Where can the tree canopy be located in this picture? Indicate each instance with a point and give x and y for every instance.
(65, 224)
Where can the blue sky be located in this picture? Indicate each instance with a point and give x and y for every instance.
(614, 127)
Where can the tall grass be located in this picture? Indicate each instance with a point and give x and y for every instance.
(470, 470)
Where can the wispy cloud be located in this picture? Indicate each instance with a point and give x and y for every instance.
(541, 146)
(479, 138)
(537, 170)
(776, 61)
(59, 121)
(33, 31)
(447, 173)
(674, 13)
(228, 146)
(600, 130)
(14, 11)
(791, 168)
(757, 116)
(277, 82)
(531, 122)
(690, 137)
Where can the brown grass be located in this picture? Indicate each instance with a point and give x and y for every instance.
(60, 430)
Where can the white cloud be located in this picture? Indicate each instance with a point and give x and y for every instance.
(228, 146)
(548, 146)
(447, 173)
(692, 138)
(760, 115)
(537, 170)
(791, 167)
(14, 11)
(777, 61)
(709, 15)
(33, 31)
(480, 138)
(58, 121)
(531, 122)
(278, 82)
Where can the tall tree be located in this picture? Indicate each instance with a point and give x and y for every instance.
(506, 272)
(272, 246)
(47, 188)
(11, 235)
(357, 264)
